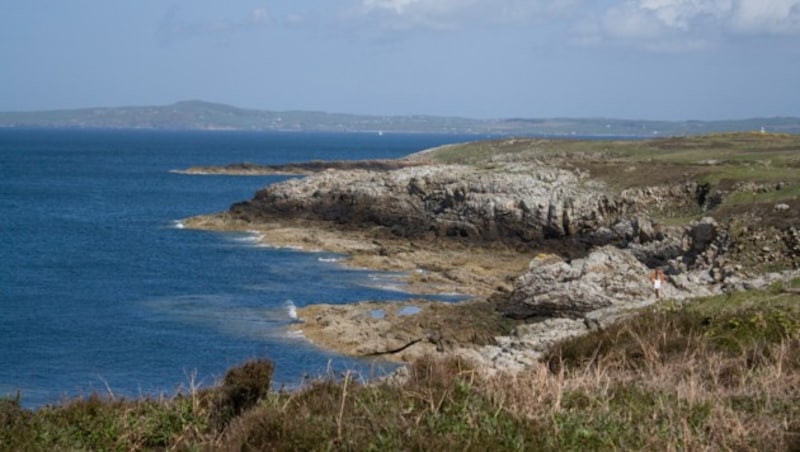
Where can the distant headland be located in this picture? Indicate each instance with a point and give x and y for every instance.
(201, 115)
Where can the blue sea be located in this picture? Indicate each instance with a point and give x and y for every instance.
(102, 291)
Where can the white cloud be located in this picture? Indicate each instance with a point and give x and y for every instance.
(681, 25)
(682, 14)
(763, 16)
(629, 22)
(657, 18)
(618, 18)
(767, 16)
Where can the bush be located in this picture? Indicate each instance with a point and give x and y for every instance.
(241, 389)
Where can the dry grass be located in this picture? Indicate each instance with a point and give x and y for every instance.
(718, 374)
(695, 400)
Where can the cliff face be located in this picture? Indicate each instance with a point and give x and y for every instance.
(520, 205)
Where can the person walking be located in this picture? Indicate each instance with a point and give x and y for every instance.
(658, 278)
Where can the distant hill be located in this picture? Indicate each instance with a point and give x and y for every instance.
(200, 115)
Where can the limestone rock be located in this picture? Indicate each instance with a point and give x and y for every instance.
(444, 200)
(606, 277)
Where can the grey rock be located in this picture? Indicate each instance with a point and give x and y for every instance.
(702, 234)
(519, 204)
(555, 288)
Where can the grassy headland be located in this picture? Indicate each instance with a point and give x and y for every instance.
(722, 160)
(715, 373)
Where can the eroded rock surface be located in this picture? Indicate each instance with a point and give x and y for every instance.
(553, 287)
(517, 205)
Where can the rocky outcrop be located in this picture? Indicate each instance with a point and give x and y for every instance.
(519, 204)
(561, 299)
(400, 331)
(553, 287)
(661, 198)
(701, 244)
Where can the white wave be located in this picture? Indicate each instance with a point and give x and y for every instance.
(296, 334)
(399, 288)
(248, 239)
(392, 282)
(328, 259)
(249, 236)
(272, 246)
(291, 310)
(178, 224)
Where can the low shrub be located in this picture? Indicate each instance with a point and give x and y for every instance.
(240, 390)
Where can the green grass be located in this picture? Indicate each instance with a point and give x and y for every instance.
(732, 148)
(788, 192)
(740, 155)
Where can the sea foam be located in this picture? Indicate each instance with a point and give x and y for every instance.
(291, 310)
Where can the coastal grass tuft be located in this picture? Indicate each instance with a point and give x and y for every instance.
(718, 373)
(101, 423)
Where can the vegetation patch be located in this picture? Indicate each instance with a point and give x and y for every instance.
(719, 373)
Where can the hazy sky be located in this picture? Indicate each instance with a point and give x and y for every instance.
(638, 59)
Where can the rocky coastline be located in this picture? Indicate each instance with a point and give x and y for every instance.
(544, 251)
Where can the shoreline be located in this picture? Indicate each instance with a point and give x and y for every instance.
(450, 268)
(354, 329)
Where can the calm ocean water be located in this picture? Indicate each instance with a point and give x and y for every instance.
(100, 290)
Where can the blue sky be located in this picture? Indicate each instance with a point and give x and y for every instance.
(637, 59)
